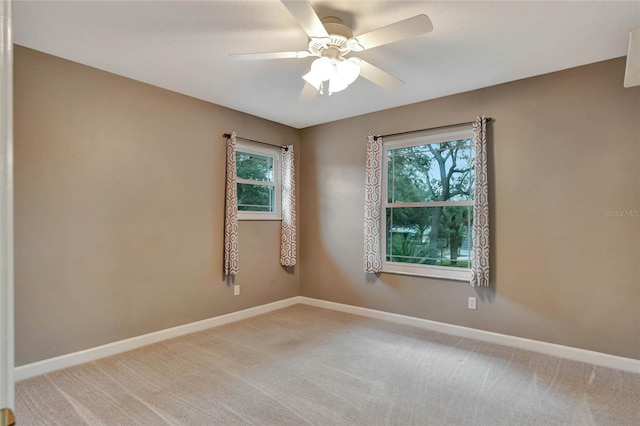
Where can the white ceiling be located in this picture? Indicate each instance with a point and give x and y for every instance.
(183, 46)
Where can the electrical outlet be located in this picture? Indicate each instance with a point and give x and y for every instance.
(236, 290)
(471, 303)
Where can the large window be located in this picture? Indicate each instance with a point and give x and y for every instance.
(428, 206)
(258, 171)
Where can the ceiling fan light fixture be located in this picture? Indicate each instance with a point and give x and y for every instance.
(313, 80)
(322, 68)
(350, 69)
(339, 72)
(336, 84)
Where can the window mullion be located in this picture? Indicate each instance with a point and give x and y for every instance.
(393, 181)
(430, 204)
(255, 182)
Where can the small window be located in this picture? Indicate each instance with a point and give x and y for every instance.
(258, 174)
(428, 207)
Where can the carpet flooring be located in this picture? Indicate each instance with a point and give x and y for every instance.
(308, 366)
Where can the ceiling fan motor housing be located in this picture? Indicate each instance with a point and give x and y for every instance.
(334, 45)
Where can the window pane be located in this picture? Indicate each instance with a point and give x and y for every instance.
(429, 235)
(256, 198)
(254, 167)
(435, 172)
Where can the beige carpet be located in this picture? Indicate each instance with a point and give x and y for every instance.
(304, 365)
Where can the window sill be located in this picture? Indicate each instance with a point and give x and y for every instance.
(253, 219)
(463, 276)
(250, 215)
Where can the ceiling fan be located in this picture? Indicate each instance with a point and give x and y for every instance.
(331, 41)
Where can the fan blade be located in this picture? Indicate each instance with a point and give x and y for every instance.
(379, 77)
(269, 55)
(306, 17)
(308, 93)
(420, 24)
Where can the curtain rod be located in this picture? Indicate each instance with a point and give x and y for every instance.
(228, 135)
(431, 128)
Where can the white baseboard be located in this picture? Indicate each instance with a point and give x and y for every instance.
(567, 352)
(92, 354)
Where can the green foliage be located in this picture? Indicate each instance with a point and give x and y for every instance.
(406, 248)
(256, 198)
(254, 167)
(436, 172)
(456, 263)
(453, 227)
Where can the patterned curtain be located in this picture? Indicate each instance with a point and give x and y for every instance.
(372, 206)
(288, 233)
(480, 232)
(231, 211)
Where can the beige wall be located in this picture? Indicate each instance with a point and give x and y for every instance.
(119, 210)
(565, 147)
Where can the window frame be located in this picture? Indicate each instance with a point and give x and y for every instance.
(275, 154)
(425, 138)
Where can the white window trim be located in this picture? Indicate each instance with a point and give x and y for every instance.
(431, 271)
(276, 154)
